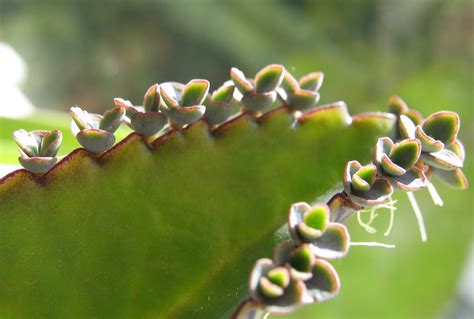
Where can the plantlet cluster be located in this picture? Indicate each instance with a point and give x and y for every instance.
(298, 272)
(285, 283)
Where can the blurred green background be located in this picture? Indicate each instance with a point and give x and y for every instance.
(88, 52)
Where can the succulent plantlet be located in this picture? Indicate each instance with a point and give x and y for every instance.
(320, 279)
(303, 94)
(96, 132)
(146, 120)
(38, 149)
(183, 103)
(298, 259)
(363, 186)
(218, 108)
(396, 162)
(274, 287)
(258, 93)
(311, 225)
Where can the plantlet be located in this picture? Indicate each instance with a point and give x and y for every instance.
(218, 108)
(183, 103)
(259, 93)
(38, 149)
(96, 132)
(172, 224)
(302, 94)
(146, 120)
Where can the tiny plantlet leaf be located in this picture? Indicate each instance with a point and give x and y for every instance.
(223, 94)
(50, 143)
(406, 153)
(269, 78)
(152, 99)
(194, 93)
(240, 82)
(312, 81)
(442, 126)
(112, 119)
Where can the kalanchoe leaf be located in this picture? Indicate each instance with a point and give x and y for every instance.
(442, 126)
(50, 143)
(410, 181)
(406, 127)
(152, 99)
(279, 276)
(258, 101)
(223, 94)
(406, 153)
(194, 93)
(119, 102)
(428, 143)
(368, 173)
(289, 83)
(359, 184)
(458, 148)
(185, 115)
(270, 298)
(217, 112)
(27, 142)
(379, 190)
(112, 119)
(82, 118)
(397, 106)
(269, 78)
(324, 283)
(240, 81)
(148, 124)
(312, 81)
(390, 167)
(302, 99)
(299, 259)
(169, 97)
(95, 140)
(306, 223)
(454, 178)
(37, 165)
(334, 243)
(444, 159)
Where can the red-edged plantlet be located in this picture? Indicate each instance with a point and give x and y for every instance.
(311, 225)
(183, 103)
(274, 288)
(258, 93)
(96, 132)
(38, 149)
(441, 151)
(218, 108)
(147, 119)
(303, 94)
(363, 186)
(320, 279)
(396, 162)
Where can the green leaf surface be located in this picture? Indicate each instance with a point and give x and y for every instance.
(168, 232)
